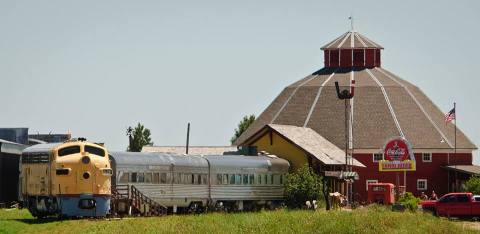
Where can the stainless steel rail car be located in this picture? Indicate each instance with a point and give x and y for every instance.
(195, 182)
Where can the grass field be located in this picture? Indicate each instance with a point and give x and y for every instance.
(366, 220)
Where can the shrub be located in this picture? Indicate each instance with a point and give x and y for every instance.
(409, 201)
(301, 186)
(473, 185)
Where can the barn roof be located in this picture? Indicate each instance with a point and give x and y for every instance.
(384, 106)
(351, 40)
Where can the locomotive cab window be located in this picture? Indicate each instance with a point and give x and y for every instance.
(69, 150)
(95, 150)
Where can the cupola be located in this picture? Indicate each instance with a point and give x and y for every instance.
(352, 49)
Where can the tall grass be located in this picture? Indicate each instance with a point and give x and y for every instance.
(367, 220)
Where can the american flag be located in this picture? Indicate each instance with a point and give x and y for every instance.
(450, 116)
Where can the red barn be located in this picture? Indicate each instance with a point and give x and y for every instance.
(384, 106)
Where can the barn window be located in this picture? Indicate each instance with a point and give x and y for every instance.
(163, 178)
(427, 157)
(124, 177)
(377, 157)
(421, 184)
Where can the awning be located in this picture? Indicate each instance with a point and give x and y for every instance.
(467, 169)
(342, 174)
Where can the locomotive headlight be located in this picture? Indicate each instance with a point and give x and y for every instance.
(86, 159)
(86, 175)
(107, 171)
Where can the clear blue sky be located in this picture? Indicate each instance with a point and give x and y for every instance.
(96, 67)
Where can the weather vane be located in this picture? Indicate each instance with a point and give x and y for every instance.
(351, 22)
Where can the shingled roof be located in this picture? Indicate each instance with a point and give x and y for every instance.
(384, 106)
(352, 40)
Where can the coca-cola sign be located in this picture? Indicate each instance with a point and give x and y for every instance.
(396, 150)
(398, 156)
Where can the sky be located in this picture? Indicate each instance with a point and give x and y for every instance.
(96, 67)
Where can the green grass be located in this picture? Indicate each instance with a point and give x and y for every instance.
(366, 220)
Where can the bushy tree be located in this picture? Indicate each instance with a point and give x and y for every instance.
(473, 185)
(301, 186)
(242, 126)
(138, 137)
(409, 201)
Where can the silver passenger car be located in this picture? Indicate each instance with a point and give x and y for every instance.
(221, 181)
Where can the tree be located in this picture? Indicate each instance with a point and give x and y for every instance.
(242, 126)
(473, 185)
(138, 137)
(301, 186)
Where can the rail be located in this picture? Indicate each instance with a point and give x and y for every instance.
(129, 200)
(144, 205)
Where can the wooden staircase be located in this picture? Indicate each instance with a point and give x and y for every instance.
(128, 200)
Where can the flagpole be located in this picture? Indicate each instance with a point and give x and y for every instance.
(455, 142)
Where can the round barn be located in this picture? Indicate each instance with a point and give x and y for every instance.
(305, 123)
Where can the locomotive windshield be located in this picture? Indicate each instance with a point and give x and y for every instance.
(95, 150)
(69, 150)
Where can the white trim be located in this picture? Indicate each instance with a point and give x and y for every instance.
(343, 41)
(290, 97)
(416, 150)
(317, 97)
(392, 112)
(430, 156)
(352, 35)
(369, 182)
(333, 42)
(426, 184)
(373, 157)
(419, 105)
(361, 41)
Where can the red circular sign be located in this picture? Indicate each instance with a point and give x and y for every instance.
(396, 150)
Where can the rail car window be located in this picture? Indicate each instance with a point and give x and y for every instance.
(156, 178)
(281, 179)
(133, 177)
(271, 179)
(141, 178)
(163, 178)
(124, 177)
(95, 150)
(204, 179)
(232, 179)
(251, 179)
(177, 178)
(225, 179)
(69, 150)
(148, 177)
(219, 179)
(238, 179)
(265, 179)
(245, 179)
(259, 179)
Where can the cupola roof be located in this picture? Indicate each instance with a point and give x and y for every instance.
(351, 40)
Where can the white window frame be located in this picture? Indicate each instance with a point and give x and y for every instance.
(430, 156)
(367, 182)
(373, 157)
(426, 184)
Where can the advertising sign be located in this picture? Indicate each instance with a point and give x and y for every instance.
(398, 156)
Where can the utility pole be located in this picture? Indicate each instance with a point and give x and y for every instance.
(188, 138)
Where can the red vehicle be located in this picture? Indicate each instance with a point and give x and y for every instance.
(381, 193)
(454, 204)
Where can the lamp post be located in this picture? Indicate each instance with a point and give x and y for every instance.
(346, 95)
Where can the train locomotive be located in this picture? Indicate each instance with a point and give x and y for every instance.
(66, 179)
(186, 183)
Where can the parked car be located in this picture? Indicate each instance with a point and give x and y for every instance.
(454, 205)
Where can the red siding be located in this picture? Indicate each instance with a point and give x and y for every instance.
(437, 177)
(334, 58)
(369, 58)
(345, 58)
(358, 58)
(326, 58)
(377, 58)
